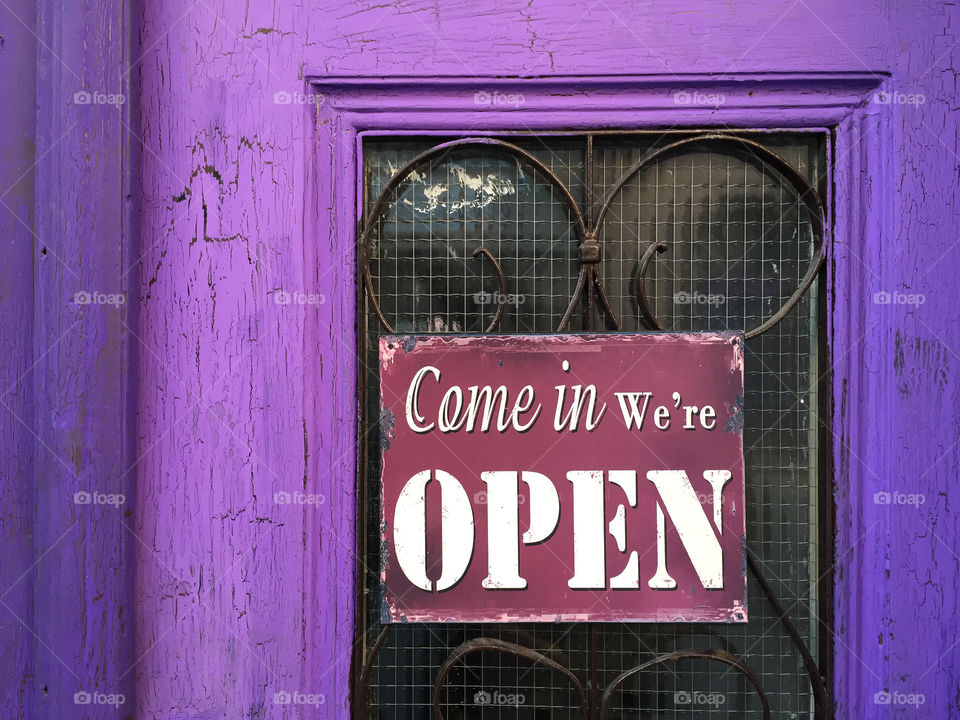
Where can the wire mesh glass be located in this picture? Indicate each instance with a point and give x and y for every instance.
(739, 243)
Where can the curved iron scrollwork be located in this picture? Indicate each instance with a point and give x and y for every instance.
(589, 291)
(805, 192)
(508, 648)
(589, 251)
(589, 706)
(368, 227)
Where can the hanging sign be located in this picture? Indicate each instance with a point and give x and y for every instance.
(563, 478)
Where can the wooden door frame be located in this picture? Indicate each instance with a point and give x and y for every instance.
(861, 208)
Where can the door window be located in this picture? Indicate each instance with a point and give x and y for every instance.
(697, 231)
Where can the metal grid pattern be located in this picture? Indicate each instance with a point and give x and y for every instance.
(738, 245)
(422, 262)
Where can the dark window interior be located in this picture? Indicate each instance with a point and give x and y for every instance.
(739, 242)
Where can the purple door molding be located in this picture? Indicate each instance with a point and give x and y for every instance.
(861, 220)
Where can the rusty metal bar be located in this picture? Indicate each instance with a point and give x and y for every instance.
(721, 656)
(806, 193)
(821, 696)
(493, 645)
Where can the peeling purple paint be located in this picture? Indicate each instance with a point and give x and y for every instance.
(231, 597)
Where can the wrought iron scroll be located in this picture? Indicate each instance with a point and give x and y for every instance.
(589, 252)
(589, 706)
(494, 645)
(741, 146)
(589, 290)
(369, 225)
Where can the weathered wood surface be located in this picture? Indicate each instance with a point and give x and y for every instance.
(17, 87)
(67, 407)
(233, 597)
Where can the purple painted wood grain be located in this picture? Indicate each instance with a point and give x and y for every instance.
(66, 572)
(915, 572)
(18, 88)
(238, 398)
(203, 102)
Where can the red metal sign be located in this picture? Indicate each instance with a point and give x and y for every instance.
(563, 478)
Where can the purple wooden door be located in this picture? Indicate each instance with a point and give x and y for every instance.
(200, 161)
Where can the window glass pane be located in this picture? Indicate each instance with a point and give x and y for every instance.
(739, 242)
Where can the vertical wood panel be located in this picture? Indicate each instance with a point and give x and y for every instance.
(917, 635)
(20, 252)
(83, 614)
